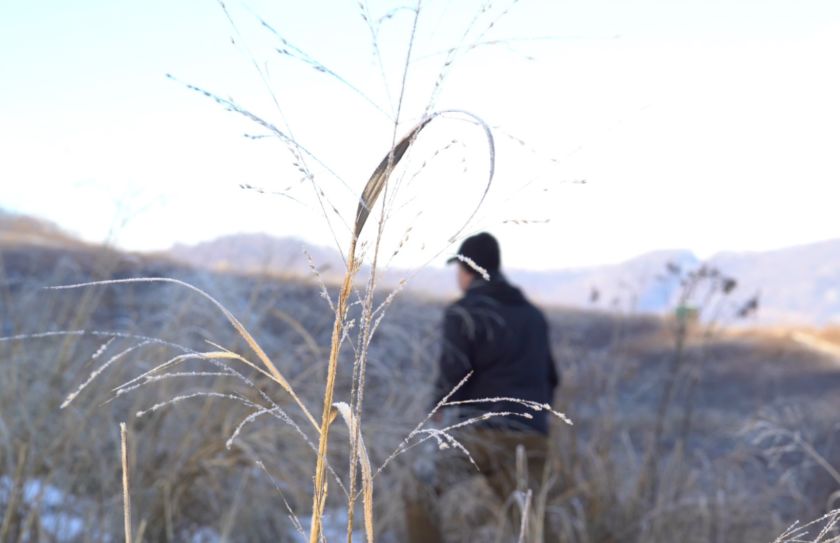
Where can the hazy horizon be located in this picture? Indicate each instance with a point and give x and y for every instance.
(701, 126)
(440, 263)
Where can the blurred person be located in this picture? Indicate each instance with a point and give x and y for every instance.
(501, 340)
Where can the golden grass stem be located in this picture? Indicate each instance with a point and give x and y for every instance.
(370, 194)
(360, 456)
(320, 492)
(126, 495)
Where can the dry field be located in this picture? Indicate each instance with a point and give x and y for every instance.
(747, 446)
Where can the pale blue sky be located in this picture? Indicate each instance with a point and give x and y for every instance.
(708, 125)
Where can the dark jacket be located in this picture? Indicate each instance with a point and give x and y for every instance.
(502, 338)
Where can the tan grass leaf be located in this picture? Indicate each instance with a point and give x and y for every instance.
(367, 473)
(380, 176)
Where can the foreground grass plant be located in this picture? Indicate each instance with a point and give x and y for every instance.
(350, 413)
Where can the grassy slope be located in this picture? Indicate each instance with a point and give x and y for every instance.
(722, 476)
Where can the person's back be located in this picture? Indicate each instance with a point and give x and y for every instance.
(495, 333)
(499, 342)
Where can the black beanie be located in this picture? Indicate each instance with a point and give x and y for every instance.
(483, 249)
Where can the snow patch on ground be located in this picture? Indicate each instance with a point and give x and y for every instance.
(55, 515)
(335, 527)
(60, 521)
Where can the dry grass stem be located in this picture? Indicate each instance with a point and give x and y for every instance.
(125, 483)
(278, 377)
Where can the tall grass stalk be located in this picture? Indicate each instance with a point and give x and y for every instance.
(360, 365)
(370, 194)
(125, 483)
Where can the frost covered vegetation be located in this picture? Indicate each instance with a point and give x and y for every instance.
(755, 455)
(261, 408)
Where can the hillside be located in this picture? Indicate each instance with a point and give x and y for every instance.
(798, 285)
(744, 405)
(18, 229)
(260, 253)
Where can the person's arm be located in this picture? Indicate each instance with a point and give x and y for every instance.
(456, 352)
(553, 374)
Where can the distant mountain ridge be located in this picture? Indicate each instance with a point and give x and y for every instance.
(797, 285)
(25, 230)
(256, 253)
